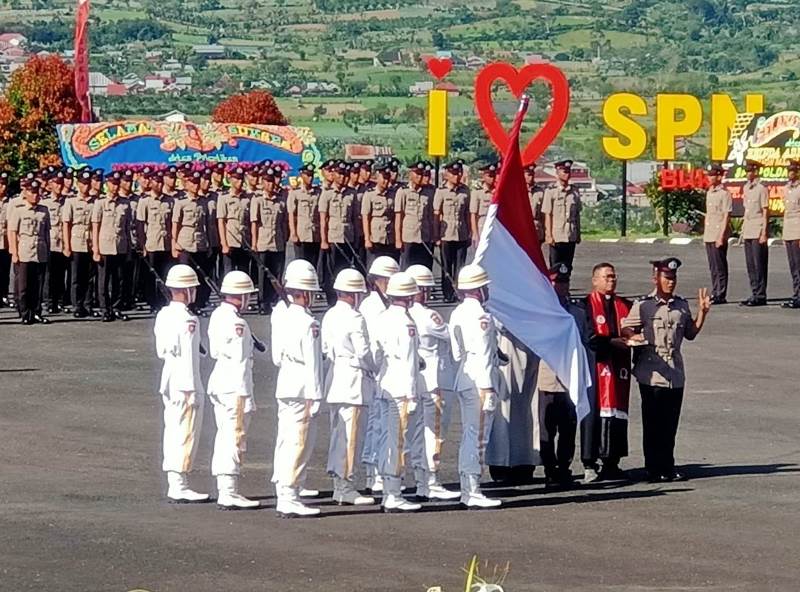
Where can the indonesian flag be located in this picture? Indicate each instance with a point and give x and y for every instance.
(82, 60)
(521, 296)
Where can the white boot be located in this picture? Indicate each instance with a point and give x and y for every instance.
(421, 478)
(345, 493)
(309, 492)
(377, 484)
(229, 497)
(471, 495)
(179, 491)
(393, 501)
(290, 506)
(436, 491)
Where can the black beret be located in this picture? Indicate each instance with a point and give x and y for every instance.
(668, 264)
(307, 168)
(564, 164)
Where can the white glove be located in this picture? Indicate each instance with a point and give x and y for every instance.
(489, 400)
(411, 406)
(314, 408)
(438, 400)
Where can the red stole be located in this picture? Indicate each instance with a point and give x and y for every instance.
(613, 366)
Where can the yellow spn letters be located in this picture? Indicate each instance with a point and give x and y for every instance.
(677, 115)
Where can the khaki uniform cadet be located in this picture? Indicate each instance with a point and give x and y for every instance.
(233, 223)
(791, 231)
(338, 218)
(133, 285)
(111, 229)
(298, 390)
(29, 244)
(557, 415)
(303, 211)
(5, 255)
(170, 188)
(719, 205)
(536, 195)
(192, 219)
(398, 357)
(177, 333)
(371, 308)
(451, 208)
(754, 232)
(154, 217)
(414, 222)
(230, 387)
(658, 324)
(435, 390)
(360, 188)
(378, 217)
(211, 195)
(270, 229)
(57, 262)
(561, 206)
(481, 199)
(473, 340)
(77, 216)
(349, 383)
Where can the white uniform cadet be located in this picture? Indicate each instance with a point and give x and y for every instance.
(299, 392)
(379, 273)
(435, 390)
(177, 333)
(474, 343)
(398, 356)
(230, 387)
(349, 383)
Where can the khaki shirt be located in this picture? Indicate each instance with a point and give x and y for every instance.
(718, 203)
(546, 379)
(564, 203)
(417, 209)
(755, 198)
(379, 209)
(479, 203)
(663, 324)
(4, 210)
(305, 205)
(32, 225)
(78, 212)
(193, 220)
(212, 198)
(235, 211)
(340, 205)
(115, 218)
(55, 207)
(156, 215)
(453, 205)
(133, 239)
(361, 192)
(270, 214)
(536, 195)
(791, 215)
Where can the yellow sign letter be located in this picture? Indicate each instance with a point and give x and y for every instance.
(669, 127)
(631, 139)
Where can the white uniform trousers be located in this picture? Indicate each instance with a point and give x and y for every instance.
(348, 423)
(373, 436)
(296, 435)
(476, 428)
(230, 442)
(429, 429)
(397, 429)
(183, 417)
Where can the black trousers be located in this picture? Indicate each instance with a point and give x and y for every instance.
(793, 254)
(361, 250)
(57, 279)
(30, 278)
(160, 262)
(82, 270)
(133, 288)
(756, 256)
(378, 250)
(309, 252)
(338, 257)
(661, 411)
(5, 273)
(557, 419)
(416, 254)
(236, 259)
(215, 258)
(454, 256)
(590, 433)
(274, 261)
(203, 265)
(111, 277)
(718, 265)
(562, 253)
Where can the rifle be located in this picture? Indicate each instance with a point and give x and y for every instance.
(364, 269)
(276, 284)
(444, 270)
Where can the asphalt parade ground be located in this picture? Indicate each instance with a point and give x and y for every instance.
(82, 503)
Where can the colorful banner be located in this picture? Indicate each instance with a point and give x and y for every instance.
(82, 60)
(122, 143)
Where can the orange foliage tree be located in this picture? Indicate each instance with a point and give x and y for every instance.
(39, 96)
(257, 107)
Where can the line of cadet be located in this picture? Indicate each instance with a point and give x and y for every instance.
(85, 242)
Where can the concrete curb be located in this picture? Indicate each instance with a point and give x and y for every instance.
(682, 241)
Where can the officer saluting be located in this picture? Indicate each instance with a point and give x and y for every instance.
(791, 231)
(561, 207)
(658, 324)
(754, 232)
(719, 205)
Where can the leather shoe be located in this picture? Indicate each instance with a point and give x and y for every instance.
(81, 313)
(121, 316)
(754, 302)
(794, 303)
(675, 476)
(95, 313)
(718, 300)
(108, 317)
(40, 319)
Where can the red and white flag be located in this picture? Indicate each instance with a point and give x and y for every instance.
(520, 295)
(82, 60)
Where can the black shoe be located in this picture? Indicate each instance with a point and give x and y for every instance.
(81, 313)
(718, 300)
(675, 476)
(612, 473)
(794, 303)
(40, 319)
(754, 302)
(499, 474)
(118, 314)
(108, 317)
(95, 313)
(53, 309)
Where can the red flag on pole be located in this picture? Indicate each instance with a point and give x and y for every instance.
(82, 60)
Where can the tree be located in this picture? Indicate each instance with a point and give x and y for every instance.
(254, 107)
(39, 96)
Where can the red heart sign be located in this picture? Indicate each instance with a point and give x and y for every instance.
(518, 81)
(439, 67)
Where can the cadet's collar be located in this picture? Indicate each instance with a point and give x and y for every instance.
(661, 300)
(176, 304)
